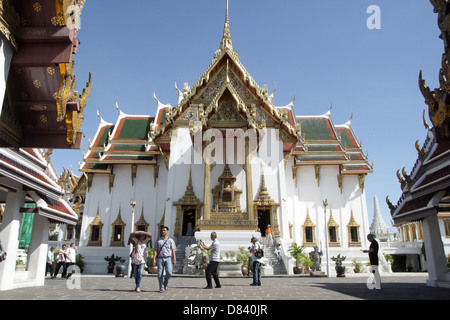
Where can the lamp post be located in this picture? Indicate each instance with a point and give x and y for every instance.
(325, 204)
(132, 204)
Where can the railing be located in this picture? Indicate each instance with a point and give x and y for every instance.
(401, 244)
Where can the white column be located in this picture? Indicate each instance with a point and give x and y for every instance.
(9, 236)
(434, 248)
(37, 252)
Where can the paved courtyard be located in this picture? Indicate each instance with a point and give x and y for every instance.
(353, 287)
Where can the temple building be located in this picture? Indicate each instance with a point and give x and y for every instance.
(39, 111)
(423, 210)
(225, 159)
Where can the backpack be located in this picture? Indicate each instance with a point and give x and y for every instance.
(259, 253)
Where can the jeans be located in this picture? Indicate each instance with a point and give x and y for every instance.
(138, 270)
(256, 273)
(164, 263)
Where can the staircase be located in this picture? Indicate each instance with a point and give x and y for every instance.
(182, 243)
(278, 268)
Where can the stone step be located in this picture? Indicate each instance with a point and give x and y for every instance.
(182, 243)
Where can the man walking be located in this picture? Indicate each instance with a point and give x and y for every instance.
(70, 260)
(373, 257)
(269, 235)
(61, 262)
(50, 262)
(256, 258)
(165, 250)
(214, 259)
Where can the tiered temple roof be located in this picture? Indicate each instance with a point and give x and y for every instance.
(426, 189)
(312, 140)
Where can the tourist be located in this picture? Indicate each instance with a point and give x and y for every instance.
(140, 241)
(269, 235)
(278, 252)
(50, 262)
(70, 260)
(2, 253)
(190, 231)
(373, 257)
(61, 262)
(256, 258)
(214, 259)
(165, 250)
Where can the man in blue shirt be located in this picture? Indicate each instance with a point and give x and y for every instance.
(165, 250)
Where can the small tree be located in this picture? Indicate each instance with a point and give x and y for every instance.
(243, 256)
(296, 252)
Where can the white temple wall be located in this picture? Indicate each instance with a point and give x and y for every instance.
(161, 196)
(180, 161)
(122, 192)
(97, 198)
(308, 196)
(305, 200)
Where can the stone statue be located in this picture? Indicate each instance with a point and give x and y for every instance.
(197, 259)
(316, 257)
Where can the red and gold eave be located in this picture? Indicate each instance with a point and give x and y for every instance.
(42, 108)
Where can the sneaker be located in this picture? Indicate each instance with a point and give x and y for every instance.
(208, 287)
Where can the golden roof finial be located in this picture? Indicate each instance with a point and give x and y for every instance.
(226, 42)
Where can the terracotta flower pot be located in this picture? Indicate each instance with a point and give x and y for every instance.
(153, 270)
(298, 270)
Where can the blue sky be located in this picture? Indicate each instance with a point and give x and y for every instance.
(322, 50)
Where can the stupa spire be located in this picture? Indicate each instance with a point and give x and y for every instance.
(226, 42)
(379, 226)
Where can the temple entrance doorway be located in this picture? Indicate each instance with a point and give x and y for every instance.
(189, 214)
(263, 220)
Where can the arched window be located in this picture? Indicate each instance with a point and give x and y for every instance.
(95, 235)
(354, 239)
(309, 232)
(118, 232)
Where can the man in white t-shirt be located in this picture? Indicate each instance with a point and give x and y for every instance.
(61, 262)
(70, 259)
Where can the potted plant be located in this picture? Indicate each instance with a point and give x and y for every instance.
(120, 268)
(307, 263)
(340, 269)
(243, 257)
(79, 262)
(296, 252)
(111, 262)
(150, 267)
(356, 265)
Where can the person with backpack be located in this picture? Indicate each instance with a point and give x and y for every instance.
(257, 254)
(165, 250)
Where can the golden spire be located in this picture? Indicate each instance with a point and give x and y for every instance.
(226, 42)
